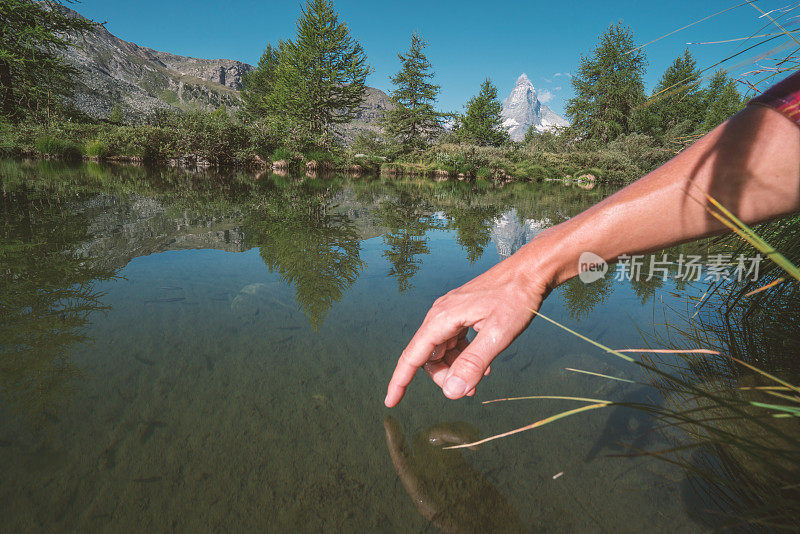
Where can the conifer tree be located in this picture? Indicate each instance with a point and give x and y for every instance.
(257, 84)
(677, 98)
(608, 87)
(32, 71)
(413, 118)
(319, 78)
(483, 124)
(720, 101)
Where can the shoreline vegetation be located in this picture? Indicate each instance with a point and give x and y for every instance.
(621, 161)
(201, 139)
(293, 109)
(132, 145)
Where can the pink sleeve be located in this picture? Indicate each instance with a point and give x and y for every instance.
(783, 97)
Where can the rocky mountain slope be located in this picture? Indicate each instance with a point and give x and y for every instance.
(139, 80)
(522, 109)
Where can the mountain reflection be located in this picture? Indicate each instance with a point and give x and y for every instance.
(66, 226)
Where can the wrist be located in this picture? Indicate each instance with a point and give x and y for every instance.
(552, 257)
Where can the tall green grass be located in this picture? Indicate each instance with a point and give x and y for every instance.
(58, 147)
(729, 378)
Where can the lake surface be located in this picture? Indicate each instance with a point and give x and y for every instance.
(194, 351)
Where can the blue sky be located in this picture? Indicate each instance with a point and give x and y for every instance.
(467, 40)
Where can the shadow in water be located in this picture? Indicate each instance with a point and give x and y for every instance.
(444, 487)
(627, 430)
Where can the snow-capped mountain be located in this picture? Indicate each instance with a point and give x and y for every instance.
(522, 109)
(510, 233)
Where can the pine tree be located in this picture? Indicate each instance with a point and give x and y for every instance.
(257, 84)
(32, 73)
(608, 87)
(483, 124)
(319, 78)
(413, 118)
(720, 100)
(677, 98)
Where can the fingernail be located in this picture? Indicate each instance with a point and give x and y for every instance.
(455, 387)
(386, 400)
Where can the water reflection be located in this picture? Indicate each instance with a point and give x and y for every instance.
(581, 298)
(444, 487)
(407, 219)
(313, 248)
(207, 387)
(47, 297)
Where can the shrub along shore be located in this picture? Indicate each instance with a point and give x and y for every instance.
(216, 140)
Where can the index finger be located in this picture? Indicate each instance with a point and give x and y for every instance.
(415, 355)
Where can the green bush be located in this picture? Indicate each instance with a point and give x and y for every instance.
(281, 153)
(324, 157)
(97, 149)
(369, 143)
(58, 147)
(483, 173)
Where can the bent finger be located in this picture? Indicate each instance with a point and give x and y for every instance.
(430, 334)
(437, 371)
(473, 363)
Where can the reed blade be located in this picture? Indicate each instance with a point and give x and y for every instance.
(534, 425)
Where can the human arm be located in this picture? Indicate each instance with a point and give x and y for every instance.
(750, 164)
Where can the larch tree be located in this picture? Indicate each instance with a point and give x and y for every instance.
(320, 77)
(413, 118)
(257, 84)
(608, 87)
(33, 73)
(720, 100)
(677, 98)
(482, 123)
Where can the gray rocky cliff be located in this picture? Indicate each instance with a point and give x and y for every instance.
(138, 81)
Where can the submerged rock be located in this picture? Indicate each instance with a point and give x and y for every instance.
(256, 299)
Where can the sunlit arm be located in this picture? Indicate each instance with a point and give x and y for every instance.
(750, 164)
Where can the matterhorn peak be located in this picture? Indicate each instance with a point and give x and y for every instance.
(522, 109)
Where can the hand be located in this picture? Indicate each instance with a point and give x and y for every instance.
(498, 305)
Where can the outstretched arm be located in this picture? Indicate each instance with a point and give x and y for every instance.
(750, 164)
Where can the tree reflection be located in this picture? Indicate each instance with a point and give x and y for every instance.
(580, 298)
(473, 226)
(646, 289)
(407, 219)
(48, 296)
(313, 249)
